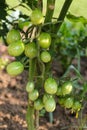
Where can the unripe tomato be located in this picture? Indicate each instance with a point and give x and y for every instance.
(38, 104)
(46, 97)
(15, 68)
(16, 48)
(67, 88)
(23, 24)
(50, 86)
(45, 56)
(68, 102)
(30, 86)
(50, 105)
(44, 40)
(59, 91)
(61, 100)
(31, 50)
(76, 106)
(36, 17)
(13, 36)
(34, 95)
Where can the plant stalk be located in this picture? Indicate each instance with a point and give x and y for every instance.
(63, 13)
(30, 111)
(50, 10)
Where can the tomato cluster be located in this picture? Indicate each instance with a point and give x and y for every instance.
(38, 48)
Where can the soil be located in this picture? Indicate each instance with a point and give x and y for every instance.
(13, 105)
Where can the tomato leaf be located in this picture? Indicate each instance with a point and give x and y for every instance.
(74, 18)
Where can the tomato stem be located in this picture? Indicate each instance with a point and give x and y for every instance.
(30, 117)
(50, 10)
(30, 110)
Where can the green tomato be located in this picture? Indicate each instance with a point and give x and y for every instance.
(16, 48)
(15, 68)
(23, 24)
(67, 88)
(76, 106)
(30, 86)
(44, 40)
(50, 105)
(50, 86)
(31, 50)
(61, 100)
(46, 97)
(38, 104)
(59, 91)
(68, 102)
(34, 95)
(13, 36)
(36, 17)
(45, 56)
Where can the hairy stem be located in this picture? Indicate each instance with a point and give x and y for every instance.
(30, 111)
(30, 117)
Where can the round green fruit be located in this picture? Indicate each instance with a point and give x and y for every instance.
(38, 104)
(23, 24)
(46, 97)
(68, 102)
(31, 50)
(61, 100)
(36, 17)
(76, 106)
(30, 86)
(15, 68)
(44, 40)
(59, 91)
(13, 36)
(50, 86)
(34, 95)
(67, 88)
(16, 48)
(45, 56)
(50, 105)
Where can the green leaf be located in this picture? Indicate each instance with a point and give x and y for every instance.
(74, 18)
(83, 43)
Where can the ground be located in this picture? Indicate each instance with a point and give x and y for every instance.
(13, 105)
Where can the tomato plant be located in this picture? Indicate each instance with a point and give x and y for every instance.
(45, 47)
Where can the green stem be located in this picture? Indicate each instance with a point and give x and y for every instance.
(31, 69)
(30, 111)
(51, 117)
(30, 117)
(78, 56)
(37, 120)
(62, 15)
(50, 10)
